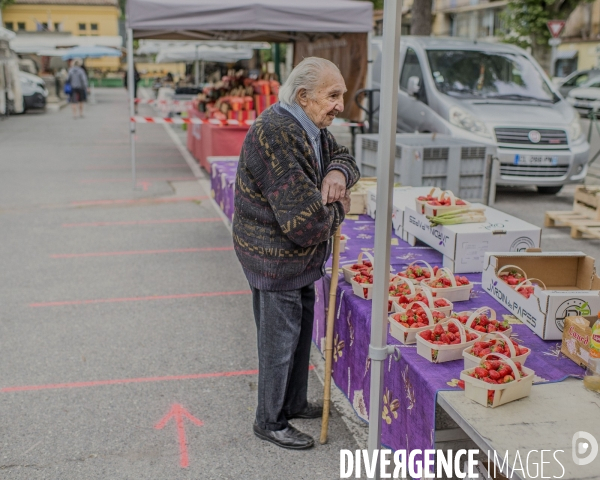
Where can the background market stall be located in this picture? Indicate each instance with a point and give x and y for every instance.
(337, 29)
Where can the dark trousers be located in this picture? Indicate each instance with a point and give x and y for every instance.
(284, 323)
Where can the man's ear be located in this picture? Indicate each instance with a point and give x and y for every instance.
(302, 97)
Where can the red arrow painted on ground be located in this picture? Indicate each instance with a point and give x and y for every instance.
(179, 413)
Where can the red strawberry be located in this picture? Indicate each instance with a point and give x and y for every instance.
(481, 372)
(461, 384)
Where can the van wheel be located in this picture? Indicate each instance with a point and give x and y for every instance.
(549, 190)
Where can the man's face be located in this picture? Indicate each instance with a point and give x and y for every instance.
(326, 101)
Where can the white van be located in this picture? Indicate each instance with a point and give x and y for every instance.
(492, 93)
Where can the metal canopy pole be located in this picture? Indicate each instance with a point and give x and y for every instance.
(130, 90)
(378, 349)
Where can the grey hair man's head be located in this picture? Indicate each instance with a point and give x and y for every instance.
(317, 85)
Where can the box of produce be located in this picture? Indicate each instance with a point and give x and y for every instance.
(558, 285)
(464, 245)
(576, 338)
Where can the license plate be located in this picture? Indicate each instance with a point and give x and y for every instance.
(535, 160)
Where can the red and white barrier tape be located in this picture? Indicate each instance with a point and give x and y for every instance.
(181, 121)
(212, 121)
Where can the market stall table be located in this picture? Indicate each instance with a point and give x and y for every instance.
(412, 383)
(546, 420)
(222, 184)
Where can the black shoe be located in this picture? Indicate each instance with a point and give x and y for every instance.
(289, 437)
(312, 410)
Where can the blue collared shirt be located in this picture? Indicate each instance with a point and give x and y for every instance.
(314, 133)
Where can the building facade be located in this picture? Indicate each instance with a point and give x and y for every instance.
(77, 17)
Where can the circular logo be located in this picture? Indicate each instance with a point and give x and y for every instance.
(571, 308)
(521, 244)
(534, 136)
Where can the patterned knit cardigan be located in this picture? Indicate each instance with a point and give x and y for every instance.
(281, 228)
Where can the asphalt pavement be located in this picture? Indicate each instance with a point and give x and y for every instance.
(127, 342)
(124, 310)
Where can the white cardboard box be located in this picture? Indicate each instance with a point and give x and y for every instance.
(403, 197)
(572, 288)
(464, 246)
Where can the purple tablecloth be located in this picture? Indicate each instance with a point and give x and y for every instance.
(222, 180)
(411, 384)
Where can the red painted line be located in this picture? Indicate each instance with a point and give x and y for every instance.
(138, 201)
(138, 299)
(140, 167)
(141, 180)
(123, 381)
(98, 383)
(141, 252)
(143, 222)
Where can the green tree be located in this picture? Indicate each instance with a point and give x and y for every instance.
(524, 23)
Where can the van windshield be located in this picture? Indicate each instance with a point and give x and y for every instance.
(477, 74)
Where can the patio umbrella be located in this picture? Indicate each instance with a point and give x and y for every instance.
(91, 52)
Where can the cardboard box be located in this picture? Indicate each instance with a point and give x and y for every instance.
(358, 195)
(403, 197)
(576, 338)
(573, 288)
(464, 246)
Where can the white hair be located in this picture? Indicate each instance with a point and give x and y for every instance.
(305, 75)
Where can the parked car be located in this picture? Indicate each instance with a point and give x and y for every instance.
(495, 94)
(577, 79)
(34, 91)
(586, 97)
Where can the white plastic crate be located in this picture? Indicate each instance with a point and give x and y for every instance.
(424, 159)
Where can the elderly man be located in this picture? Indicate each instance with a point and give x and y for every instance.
(290, 198)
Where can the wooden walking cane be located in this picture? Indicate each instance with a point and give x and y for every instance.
(329, 335)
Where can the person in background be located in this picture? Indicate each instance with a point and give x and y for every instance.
(290, 198)
(79, 86)
(136, 81)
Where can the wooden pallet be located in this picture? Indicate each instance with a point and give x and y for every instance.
(584, 219)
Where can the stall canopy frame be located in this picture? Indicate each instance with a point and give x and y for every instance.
(239, 20)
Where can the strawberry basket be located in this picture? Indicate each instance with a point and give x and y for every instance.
(361, 266)
(402, 287)
(420, 202)
(482, 388)
(424, 295)
(448, 286)
(416, 273)
(445, 342)
(362, 286)
(343, 239)
(491, 344)
(446, 202)
(405, 325)
(512, 275)
(527, 287)
(483, 320)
